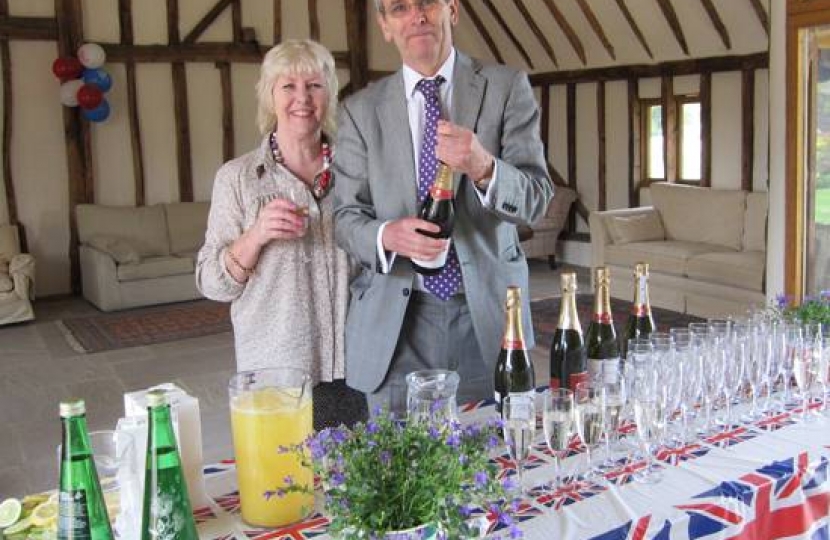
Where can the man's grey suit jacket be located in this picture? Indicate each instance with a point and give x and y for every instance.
(375, 181)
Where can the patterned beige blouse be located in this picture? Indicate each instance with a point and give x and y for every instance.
(292, 310)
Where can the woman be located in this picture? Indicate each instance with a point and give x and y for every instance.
(269, 246)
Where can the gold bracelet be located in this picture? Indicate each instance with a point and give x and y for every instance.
(246, 270)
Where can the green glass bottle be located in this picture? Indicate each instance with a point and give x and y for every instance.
(640, 322)
(82, 511)
(568, 355)
(166, 512)
(514, 370)
(601, 339)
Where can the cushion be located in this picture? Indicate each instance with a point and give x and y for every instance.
(668, 257)
(8, 242)
(694, 214)
(155, 267)
(186, 224)
(145, 226)
(636, 228)
(6, 283)
(119, 249)
(755, 221)
(741, 269)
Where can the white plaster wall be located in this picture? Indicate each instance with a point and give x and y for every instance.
(726, 130)
(616, 144)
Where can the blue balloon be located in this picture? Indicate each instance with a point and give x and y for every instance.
(99, 113)
(98, 77)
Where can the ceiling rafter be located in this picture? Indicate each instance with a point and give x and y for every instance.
(568, 30)
(499, 19)
(596, 26)
(537, 31)
(674, 23)
(477, 22)
(761, 13)
(206, 21)
(634, 28)
(712, 11)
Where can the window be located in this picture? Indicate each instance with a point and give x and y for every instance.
(688, 145)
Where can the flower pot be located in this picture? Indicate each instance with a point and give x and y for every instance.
(421, 532)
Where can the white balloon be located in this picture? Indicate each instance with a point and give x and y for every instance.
(91, 55)
(69, 92)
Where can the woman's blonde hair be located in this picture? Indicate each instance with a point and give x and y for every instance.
(293, 57)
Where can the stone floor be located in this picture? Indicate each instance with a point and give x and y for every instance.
(38, 369)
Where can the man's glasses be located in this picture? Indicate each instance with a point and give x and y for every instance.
(399, 10)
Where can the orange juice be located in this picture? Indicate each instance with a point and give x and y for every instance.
(264, 420)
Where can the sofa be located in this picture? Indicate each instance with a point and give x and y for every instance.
(17, 278)
(139, 256)
(543, 235)
(706, 248)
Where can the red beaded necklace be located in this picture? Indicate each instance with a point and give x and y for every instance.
(323, 181)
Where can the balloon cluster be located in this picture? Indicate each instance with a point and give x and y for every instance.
(83, 82)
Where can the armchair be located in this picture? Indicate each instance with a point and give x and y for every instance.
(17, 278)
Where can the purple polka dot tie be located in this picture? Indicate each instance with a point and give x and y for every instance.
(447, 282)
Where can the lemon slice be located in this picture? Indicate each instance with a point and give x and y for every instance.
(44, 514)
(18, 527)
(10, 511)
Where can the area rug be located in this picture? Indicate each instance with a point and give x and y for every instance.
(546, 316)
(146, 326)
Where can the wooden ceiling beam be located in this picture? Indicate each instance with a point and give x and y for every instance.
(596, 26)
(758, 7)
(313, 20)
(477, 22)
(197, 52)
(357, 40)
(278, 21)
(675, 67)
(634, 28)
(566, 27)
(125, 25)
(500, 20)
(712, 11)
(674, 23)
(29, 28)
(205, 22)
(520, 5)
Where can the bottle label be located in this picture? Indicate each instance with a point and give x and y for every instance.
(602, 318)
(554, 383)
(440, 194)
(437, 262)
(512, 344)
(73, 517)
(576, 378)
(604, 369)
(639, 310)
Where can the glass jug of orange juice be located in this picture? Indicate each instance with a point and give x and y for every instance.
(271, 409)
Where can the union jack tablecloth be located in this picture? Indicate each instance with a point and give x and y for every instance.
(759, 481)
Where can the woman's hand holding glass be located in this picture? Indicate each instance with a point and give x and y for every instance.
(280, 219)
(519, 415)
(558, 419)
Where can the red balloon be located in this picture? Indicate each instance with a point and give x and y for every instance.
(89, 96)
(67, 68)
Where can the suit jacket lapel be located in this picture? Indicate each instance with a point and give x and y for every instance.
(397, 138)
(468, 95)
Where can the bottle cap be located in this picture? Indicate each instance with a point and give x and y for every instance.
(514, 296)
(72, 407)
(156, 397)
(602, 275)
(568, 282)
(641, 269)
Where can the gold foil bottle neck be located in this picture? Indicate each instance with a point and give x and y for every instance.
(602, 276)
(641, 269)
(568, 282)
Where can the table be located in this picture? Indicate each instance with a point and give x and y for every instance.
(754, 481)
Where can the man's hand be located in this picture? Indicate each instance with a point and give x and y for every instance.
(402, 237)
(459, 148)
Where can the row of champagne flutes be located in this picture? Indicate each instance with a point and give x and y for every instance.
(678, 386)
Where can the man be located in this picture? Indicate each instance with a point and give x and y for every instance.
(388, 144)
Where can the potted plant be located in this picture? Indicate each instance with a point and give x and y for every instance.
(387, 479)
(812, 309)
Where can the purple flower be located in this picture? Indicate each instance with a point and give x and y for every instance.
(454, 440)
(337, 478)
(481, 479)
(385, 457)
(339, 436)
(372, 427)
(436, 406)
(288, 480)
(505, 518)
(434, 433)
(463, 459)
(508, 483)
(465, 510)
(492, 442)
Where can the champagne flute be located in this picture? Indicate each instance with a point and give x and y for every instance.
(519, 414)
(558, 423)
(590, 418)
(648, 415)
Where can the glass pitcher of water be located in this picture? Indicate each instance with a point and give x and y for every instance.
(430, 395)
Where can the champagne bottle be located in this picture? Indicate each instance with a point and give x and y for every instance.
(514, 370)
(568, 356)
(82, 511)
(438, 208)
(601, 340)
(640, 321)
(166, 512)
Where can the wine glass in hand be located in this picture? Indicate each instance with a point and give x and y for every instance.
(558, 423)
(519, 415)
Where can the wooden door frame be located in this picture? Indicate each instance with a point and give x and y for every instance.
(801, 14)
